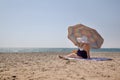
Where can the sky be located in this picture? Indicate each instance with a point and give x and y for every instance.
(44, 23)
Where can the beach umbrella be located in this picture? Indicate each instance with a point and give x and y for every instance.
(78, 31)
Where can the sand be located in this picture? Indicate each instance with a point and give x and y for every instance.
(47, 66)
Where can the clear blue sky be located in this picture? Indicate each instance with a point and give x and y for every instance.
(44, 23)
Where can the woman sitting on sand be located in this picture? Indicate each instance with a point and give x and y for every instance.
(83, 49)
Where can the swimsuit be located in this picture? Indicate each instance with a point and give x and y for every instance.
(82, 53)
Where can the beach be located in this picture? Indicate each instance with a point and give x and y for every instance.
(48, 66)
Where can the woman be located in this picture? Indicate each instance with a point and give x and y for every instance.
(83, 50)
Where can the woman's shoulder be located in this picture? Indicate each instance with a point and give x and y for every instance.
(87, 46)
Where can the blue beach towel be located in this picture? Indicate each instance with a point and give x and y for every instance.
(94, 59)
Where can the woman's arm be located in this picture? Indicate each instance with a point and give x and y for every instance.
(87, 49)
(88, 53)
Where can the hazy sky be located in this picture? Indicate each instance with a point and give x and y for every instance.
(44, 23)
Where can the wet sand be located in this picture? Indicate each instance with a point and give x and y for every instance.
(47, 66)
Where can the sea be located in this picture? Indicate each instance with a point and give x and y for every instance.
(18, 50)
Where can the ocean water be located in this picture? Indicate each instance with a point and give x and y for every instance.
(55, 50)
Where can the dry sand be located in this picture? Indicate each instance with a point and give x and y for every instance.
(47, 66)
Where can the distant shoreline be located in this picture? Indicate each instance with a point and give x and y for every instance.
(55, 50)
